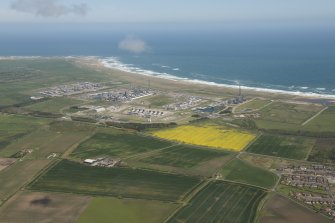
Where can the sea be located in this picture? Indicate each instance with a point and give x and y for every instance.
(297, 61)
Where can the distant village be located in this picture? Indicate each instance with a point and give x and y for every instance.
(312, 186)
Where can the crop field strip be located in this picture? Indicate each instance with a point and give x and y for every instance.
(278, 209)
(38, 207)
(323, 151)
(107, 209)
(72, 177)
(222, 202)
(209, 136)
(119, 143)
(18, 175)
(292, 147)
(183, 156)
(243, 172)
(14, 127)
(55, 138)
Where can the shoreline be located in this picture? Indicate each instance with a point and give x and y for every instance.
(163, 76)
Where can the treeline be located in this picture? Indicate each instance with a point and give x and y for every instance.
(24, 103)
(300, 133)
(22, 111)
(140, 126)
(83, 119)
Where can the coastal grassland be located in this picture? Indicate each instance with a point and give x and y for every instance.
(280, 209)
(117, 143)
(34, 74)
(210, 136)
(55, 138)
(253, 104)
(17, 175)
(323, 151)
(73, 109)
(242, 172)
(325, 122)
(13, 127)
(222, 202)
(184, 156)
(72, 177)
(37, 207)
(113, 210)
(53, 105)
(160, 100)
(286, 116)
(292, 147)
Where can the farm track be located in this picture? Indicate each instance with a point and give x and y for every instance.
(314, 116)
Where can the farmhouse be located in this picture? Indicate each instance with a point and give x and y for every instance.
(89, 161)
(102, 162)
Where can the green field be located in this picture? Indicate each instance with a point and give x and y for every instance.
(39, 207)
(325, 122)
(13, 127)
(113, 210)
(242, 172)
(323, 151)
(183, 156)
(286, 116)
(160, 100)
(54, 105)
(17, 175)
(55, 138)
(252, 105)
(74, 177)
(222, 202)
(293, 147)
(117, 143)
(279, 209)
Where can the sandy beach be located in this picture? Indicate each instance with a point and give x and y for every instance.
(178, 84)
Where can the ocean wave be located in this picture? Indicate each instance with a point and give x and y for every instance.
(304, 88)
(115, 63)
(166, 67)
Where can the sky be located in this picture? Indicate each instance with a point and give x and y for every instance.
(305, 12)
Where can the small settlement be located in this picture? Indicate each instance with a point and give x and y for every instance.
(312, 186)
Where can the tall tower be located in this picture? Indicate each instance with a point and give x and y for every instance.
(149, 84)
(239, 89)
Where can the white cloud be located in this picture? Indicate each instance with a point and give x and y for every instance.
(134, 45)
(48, 8)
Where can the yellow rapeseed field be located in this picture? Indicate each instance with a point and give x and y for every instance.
(211, 136)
